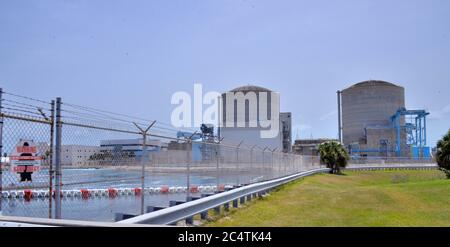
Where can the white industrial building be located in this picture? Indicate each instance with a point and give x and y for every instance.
(133, 146)
(246, 118)
(77, 155)
(83, 155)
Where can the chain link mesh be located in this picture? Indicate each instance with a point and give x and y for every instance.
(25, 178)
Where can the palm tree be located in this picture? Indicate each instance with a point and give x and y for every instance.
(334, 155)
(443, 154)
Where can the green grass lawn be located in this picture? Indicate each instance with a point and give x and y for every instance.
(360, 198)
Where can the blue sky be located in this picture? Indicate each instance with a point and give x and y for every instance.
(131, 56)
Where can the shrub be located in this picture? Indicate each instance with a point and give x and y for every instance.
(334, 155)
(443, 154)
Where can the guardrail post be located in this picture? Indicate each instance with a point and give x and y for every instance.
(153, 208)
(235, 203)
(58, 140)
(226, 206)
(204, 214)
(174, 203)
(217, 209)
(242, 200)
(122, 216)
(249, 197)
(190, 220)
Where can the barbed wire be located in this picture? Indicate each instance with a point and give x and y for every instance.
(104, 112)
(23, 105)
(97, 115)
(84, 117)
(26, 97)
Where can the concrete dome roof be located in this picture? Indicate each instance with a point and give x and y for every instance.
(373, 83)
(250, 88)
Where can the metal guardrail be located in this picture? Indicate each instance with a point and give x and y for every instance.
(180, 212)
(183, 211)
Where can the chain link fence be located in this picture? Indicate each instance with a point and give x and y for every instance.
(61, 160)
(26, 153)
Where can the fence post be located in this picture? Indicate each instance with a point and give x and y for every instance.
(217, 163)
(251, 157)
(237, 166)
(143, 160)
(50, 158)
(294, 165)
(188, 165)
(272, 163)
(188, 168)
(58, 140)
(144, 157)
(279, 164)
(237, 163)
(217, 168)
(1, 150)
(264, 161)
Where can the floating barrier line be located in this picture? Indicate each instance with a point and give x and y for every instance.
(29, 194)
